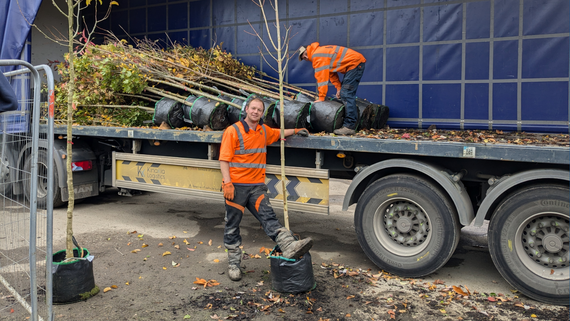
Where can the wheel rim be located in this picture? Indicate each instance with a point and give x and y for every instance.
(542, 244)
(402, 226)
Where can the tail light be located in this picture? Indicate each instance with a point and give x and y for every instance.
(81, 166)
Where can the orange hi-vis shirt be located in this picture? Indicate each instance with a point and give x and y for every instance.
(245, 150)
(328, 60)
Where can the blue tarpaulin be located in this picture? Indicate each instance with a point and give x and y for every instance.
(16, 17)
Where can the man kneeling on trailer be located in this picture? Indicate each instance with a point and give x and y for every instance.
(242, 162)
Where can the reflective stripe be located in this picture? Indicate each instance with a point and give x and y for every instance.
(321, 69)
(240, 137)
(247, 165)
(250, 151)
(336, 49)
(324, 55)
(344, 51)
(326, 83)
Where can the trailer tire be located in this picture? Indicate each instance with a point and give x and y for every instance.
(406, 225)
(529, 242)
(42, 181)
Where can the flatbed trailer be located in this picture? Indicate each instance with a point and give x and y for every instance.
(412, 197)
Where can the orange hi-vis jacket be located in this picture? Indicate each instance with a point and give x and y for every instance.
(245, 150)
(328, 60)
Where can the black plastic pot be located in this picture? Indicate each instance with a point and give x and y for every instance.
(292, 276)
(364, 122)
(295, 113)
(304, 98)
(73, 281)
(206, 112)
(326, 116)
(168, 111)
(377, 115)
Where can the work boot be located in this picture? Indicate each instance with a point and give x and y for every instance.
(234, 272)
(234, 261)
(291, 248)
(344, 131)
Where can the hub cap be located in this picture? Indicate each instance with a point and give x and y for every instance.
(402, 227)
(543, 245)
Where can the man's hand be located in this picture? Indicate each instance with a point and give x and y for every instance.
(338, 94)
(229, 190)
(301, 132)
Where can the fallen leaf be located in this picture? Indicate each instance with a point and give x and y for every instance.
(107, 289)
(11, 310)
(140, 235)
(172, 237)
(129, 244)
(459, 291)
(210, 243)
(491, 299)
(216, 260)
(438, 281)
(442, 311)
(135, 251)
(347, 315)
(186, 242)
(144, 245)
(281, 310)
(159, 244)
(551, 271)
(114, 286)
(189, 249)
(166, 253)
(533, 315)
(177, 247)
(350, 297)
(164, 267)
(127, 283)
(200, 242)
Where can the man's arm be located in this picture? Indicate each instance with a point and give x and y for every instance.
(225, 168)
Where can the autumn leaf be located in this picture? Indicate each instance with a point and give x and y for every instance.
(459, 291)
(114, 286)
(159, 244)
(350, 297)
(144, 245)
(206, 283)
(177, 247)
(438, 281)
(135, 251)
(107, 289)
(210, 243)
(189, 249)
(172, 237)
(166, 253)
(216, 260)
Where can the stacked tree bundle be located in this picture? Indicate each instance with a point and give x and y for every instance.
(124, 85)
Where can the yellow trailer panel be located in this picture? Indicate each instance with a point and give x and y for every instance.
(307, 189)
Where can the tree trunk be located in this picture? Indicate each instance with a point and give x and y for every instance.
(281, 115)
(71, 89)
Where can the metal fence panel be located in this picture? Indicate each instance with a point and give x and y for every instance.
(26, 196)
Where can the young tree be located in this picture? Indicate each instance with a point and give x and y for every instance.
(76, 42)
(281, 47)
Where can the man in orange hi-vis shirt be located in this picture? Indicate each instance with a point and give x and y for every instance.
(327, 61)
(242, 162)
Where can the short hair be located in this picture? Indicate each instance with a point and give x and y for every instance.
(255, 99)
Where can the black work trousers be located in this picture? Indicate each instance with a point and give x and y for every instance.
(256, 200)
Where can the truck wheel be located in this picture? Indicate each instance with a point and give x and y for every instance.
(42, 181)
(406, 225)
(7, 165)
(529, 242)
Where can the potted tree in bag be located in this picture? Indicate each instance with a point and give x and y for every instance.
(72, 268)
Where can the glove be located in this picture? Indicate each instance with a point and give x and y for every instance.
(229, 191)
(301, 132)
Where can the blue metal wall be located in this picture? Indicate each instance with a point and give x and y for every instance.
(497, 64)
